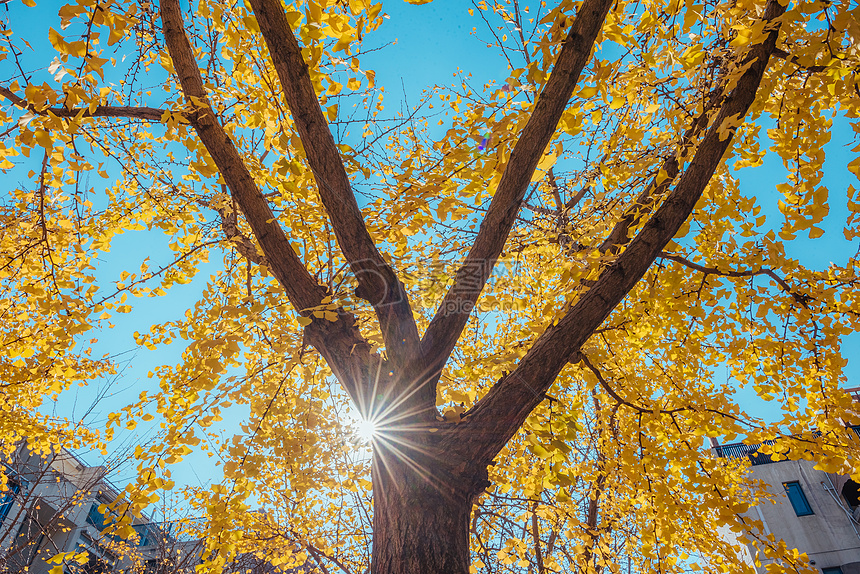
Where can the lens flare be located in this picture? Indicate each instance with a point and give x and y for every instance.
(366, 430)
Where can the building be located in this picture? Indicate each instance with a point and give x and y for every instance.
(814, 511)
(55, 504)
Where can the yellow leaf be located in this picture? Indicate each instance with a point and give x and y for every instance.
(58, 558)
(587, 91)
(44, 139)
(546, 162)
(114, 36)
(57, 41)
(167, 64)
(251, 23)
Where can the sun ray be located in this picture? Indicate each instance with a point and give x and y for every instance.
(366, 430)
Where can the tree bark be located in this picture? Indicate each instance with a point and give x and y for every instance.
(339, 342)
(377, 282)
(420, 517)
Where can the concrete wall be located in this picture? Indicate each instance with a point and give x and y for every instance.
(828, 536)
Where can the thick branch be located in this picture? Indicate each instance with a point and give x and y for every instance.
(377, 281)
(151, 114)
(339, 342)
(783, 55)
(452, 315)
(495, 419)
(536, 539)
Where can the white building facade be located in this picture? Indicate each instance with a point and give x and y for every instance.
(816, 512)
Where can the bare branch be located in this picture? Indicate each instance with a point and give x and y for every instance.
(536, 540)
(561, 221)
(651, 195)
(800, 298)
(606, 387)
(43, 189)
(378, 284)
(495, 419)
(640, 409)
(783, 55)
(452, 315)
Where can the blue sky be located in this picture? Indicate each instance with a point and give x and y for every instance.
(812, 253)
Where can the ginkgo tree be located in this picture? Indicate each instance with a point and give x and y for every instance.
(530, 303)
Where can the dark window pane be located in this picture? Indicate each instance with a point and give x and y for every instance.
(851, 492)
(95, 517)
(797, 498)
(834, 570)
(7, 498)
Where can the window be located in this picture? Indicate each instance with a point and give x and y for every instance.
(148, 533)
(99, 560)
(94, 565)
(13, 487)
(102, 520)
(797, 498)
(7, 498)
(96, 517)
(851, 492)
(834, 570)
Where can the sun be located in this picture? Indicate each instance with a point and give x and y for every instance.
(366, 430)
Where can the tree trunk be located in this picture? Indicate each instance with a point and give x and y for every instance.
(420, 515)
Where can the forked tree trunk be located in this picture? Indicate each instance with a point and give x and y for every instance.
(420, 517)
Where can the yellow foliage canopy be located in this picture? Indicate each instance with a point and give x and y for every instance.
(543, 307)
